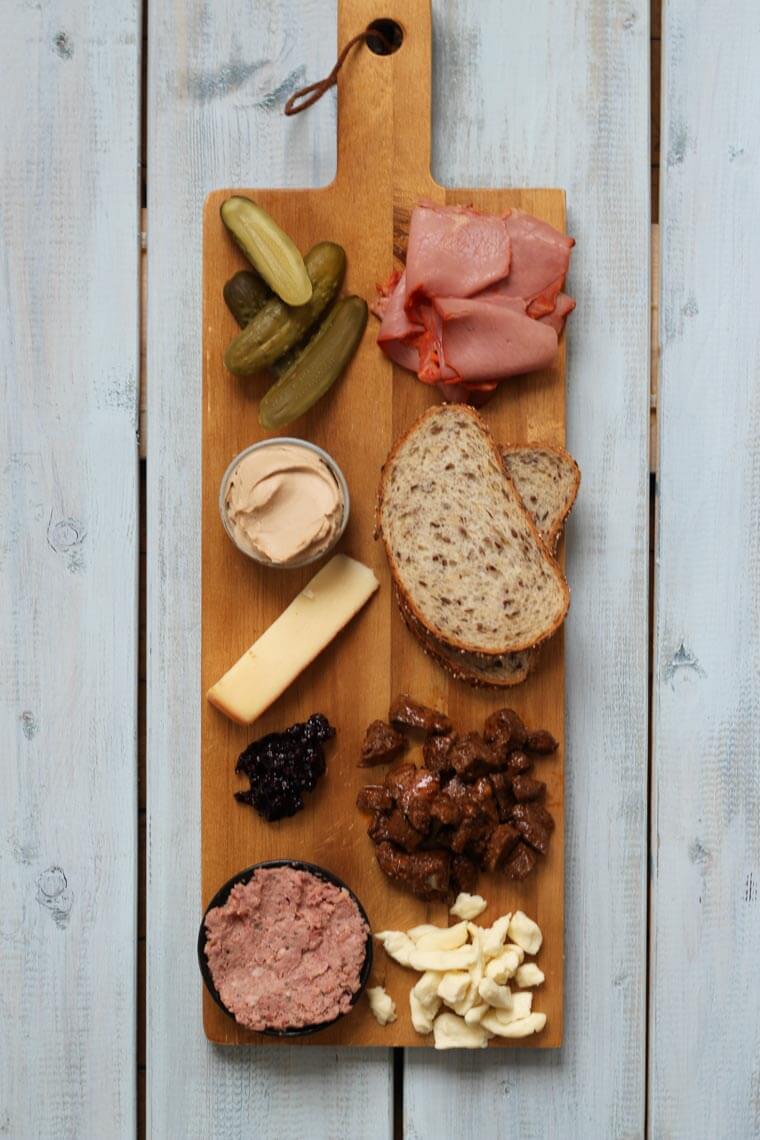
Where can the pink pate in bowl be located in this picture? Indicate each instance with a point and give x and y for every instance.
(285, 948)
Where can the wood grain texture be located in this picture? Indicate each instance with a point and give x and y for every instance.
(383, 164)
(68, 567)
(557, 93)
(218, 75)
(706, 811)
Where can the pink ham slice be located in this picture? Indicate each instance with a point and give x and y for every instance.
(398, 334)
(454, 251)
(482, 341)
(540, 260)
(559, 314)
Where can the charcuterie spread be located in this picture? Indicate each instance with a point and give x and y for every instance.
(430, 540)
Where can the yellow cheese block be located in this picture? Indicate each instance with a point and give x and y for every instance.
(311, 621)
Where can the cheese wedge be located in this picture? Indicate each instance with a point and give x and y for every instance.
(300, 633)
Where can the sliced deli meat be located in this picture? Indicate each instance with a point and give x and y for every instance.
(464, 553)
(454, 252)
(480, 299)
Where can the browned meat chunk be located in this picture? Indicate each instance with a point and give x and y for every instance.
(524, 788)
(374, 797)
(501, 842)
(520, 863)
(483, 799)
(505, 729)
(534, 824)
(541, 741)
(425, 873)
(518, 762)
(471, 757)
(435, 753)
(414, 790)
(381, 744)
(406, 713)
(471, 835)
(446, 809)
(464, 875)
(502, 789)
(394, 828)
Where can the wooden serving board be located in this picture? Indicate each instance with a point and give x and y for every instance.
(383, 170)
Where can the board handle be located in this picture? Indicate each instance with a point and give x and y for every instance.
(384, 100)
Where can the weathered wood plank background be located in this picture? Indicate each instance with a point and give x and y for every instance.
(557, 92)
(69, 253)
(705, 923)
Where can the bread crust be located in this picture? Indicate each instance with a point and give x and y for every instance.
(554, 535)
(467, 647)
(459, 670)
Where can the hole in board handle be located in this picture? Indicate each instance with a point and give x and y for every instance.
(389, 38)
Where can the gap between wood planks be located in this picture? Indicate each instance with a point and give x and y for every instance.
(143, 429)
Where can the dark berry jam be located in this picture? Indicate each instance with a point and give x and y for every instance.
(283, 765)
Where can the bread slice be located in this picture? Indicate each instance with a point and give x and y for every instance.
(547, 479)
(464, 553)
(472, 668)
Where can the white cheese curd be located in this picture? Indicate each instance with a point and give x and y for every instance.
(426, 991)
(474, 1015)
(525, 932)
(468, 906)
(452, 1032)
(500, 997)
(397, 945)
(495, 937)
(453, 986)
(522, 1004)
(443, 960)
(425, 928)
(422, 1015)
(522, 1027)
(504, 967)
(382, 1005)
(529, 975)
(444, 938)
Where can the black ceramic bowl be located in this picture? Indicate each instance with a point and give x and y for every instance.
(220, 898)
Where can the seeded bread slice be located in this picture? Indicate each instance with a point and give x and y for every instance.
(547, 479)
(464, 553)
(472, 668)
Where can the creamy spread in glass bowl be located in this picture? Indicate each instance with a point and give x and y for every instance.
(284, 502)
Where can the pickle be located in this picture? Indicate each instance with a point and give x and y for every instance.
(246, 295)
(317, 368)
(279, 327)
(268, 248)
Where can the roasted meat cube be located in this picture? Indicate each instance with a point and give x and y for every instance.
(482, 796)
(502, 840)
(414, 790)
(502, 788)
(518, 762)
(505, 730)
(471, 757)
(394, 828)
(464, 875)
(534, 824)
(524, 788)
(520, 863)
(406, 713)
(446, 810)
(435, 753)
(374, 797)
(541, 741)
(381, 744)
(471, 835)
(425, 873)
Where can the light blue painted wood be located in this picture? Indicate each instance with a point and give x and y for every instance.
(705, 999)
(69, 261)
(557, 93)
(213, 120)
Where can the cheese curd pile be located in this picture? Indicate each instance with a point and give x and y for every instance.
(465, 968)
